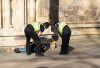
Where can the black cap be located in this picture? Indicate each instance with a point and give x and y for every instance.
(46, 24)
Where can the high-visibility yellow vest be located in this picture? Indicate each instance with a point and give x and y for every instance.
(36, 26)
(61, 26)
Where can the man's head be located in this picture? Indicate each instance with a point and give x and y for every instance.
(46, 24)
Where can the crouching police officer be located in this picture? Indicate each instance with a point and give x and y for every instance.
(33, 31)
(65, 32)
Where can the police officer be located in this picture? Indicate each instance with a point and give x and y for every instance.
(65, 32)
(33, 31)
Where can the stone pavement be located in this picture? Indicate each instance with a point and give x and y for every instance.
(85, 54)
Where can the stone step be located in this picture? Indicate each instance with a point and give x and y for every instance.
(84, 25)
(8, 49)
(85, 22)
(12, 43)
(20, 40)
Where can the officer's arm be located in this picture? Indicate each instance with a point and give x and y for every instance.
(41, 30)
(55, 36)
(39, 33)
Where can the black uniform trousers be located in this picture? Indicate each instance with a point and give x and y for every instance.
(65, 40)
(30, 33)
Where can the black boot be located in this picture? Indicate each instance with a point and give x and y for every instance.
(41, 54)
(63, 53)
(28, 52)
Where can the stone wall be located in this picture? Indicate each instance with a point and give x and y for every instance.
(83, 17)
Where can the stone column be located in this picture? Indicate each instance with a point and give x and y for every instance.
(0, 12)
(31, 10)
(18, 13)
(6, 13)
(42, 10)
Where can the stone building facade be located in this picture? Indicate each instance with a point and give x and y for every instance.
(83, 16)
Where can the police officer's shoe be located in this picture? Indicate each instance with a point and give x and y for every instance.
(41, 54)
(63, 53)
(28, 53)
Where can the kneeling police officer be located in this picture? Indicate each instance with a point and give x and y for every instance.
(33, 31)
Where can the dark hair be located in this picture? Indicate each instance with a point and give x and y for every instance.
(46, 24)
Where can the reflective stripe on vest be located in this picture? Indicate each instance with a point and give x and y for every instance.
(36, 26)
(61, 26)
